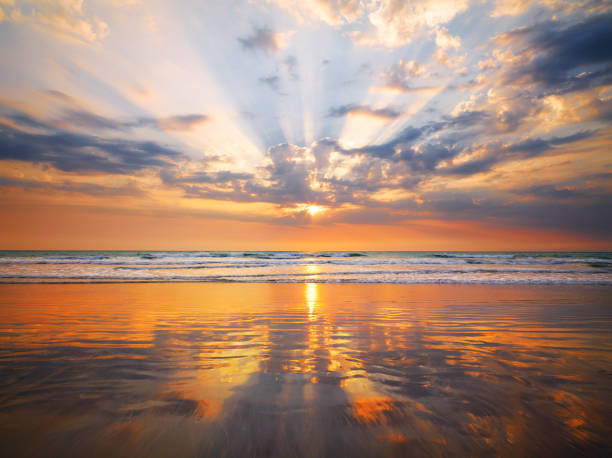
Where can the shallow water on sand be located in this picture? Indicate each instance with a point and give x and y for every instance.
(305, 370)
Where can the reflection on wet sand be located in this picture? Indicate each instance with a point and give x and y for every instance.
(304, 370)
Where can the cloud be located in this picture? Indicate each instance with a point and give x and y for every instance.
(290, 63)
(75, 116)
(462, 120)
(466, 149)
(561, 57)
(324, 172)
(511, 7)
(428, 156)
(585, 214)
(176, 123)
(88, 120)
(288, 174)
(85, 119)
(502, 111)
(390, 149)
(396, 22)
(332, 12)
(71, 152)
(271, 81)
(541, 77)
(364, 110)
(495, 154)
(444, 43)
(535, 146)
(317, 173)
(388, 23)
(327, 174)
(223, 176)
(90, 189)
(22, 120)
(65, 18)
(554, 192)
(265, 40)
(518, 7)
(412, 68)
(400, 77)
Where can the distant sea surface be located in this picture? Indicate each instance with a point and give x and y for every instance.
(307, 267)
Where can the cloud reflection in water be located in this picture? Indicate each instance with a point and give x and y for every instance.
(314, 370)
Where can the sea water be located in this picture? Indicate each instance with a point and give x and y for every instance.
(307, 267)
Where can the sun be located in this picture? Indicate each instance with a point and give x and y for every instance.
(311, 209)
(315, 209)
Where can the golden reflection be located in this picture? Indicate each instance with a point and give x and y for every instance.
(312, 295)
(392, 360)
(373, 411)
(311, 270)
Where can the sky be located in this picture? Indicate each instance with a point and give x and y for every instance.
(306, 125)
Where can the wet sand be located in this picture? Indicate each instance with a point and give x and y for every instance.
(223, 369)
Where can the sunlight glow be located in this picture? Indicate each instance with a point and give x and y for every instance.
(312, 294)
(315, 209)
(311, 209)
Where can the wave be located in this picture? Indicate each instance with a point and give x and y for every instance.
(320, 260)
(222, 279)
(377, 272)
(470, 255)
(290, 266)
(70, 258)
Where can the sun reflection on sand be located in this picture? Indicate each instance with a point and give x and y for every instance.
(311, 294)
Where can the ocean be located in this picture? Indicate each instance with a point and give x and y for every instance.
(587, 268)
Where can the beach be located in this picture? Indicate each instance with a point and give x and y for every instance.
(305, 369)
(286, 229)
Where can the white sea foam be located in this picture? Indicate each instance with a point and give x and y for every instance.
(265, 266)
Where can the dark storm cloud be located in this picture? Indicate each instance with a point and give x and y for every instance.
(71, 152)
(263, 39)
